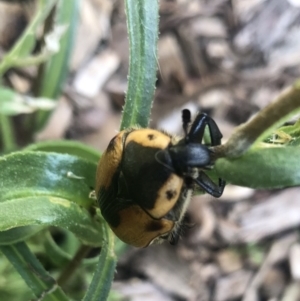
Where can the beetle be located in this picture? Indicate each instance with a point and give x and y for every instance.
(146, 177)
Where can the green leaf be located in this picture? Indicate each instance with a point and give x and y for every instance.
(50, 211)
(290, 134)
(57, 66)
(18, 234)
(56, 69)
(12, 103)
(60, 257)
(27, 174)
(266, 167)
(41, 283)
(142, 25)
(26, 42)
(67, 147)
(38, 188)
(12, 286)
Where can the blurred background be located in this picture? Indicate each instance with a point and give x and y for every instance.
(228, 58)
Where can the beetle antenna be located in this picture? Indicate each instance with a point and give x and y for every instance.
(186, 120)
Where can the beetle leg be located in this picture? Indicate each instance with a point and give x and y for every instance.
(174, 238)
(180, 230)
(196, 132)
(209, 186)
(186, 120)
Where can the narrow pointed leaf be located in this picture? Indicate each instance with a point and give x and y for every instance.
(263, 168)
(39, 188)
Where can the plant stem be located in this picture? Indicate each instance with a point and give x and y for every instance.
(286, 105)
(104, 273)
(73, 264)
(142, 26)
(7, 133)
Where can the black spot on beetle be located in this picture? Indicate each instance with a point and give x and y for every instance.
(154, 226)
(170, 194)
(151, 137)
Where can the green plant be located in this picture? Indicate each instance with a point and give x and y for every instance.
(253, 157)
(47, 185)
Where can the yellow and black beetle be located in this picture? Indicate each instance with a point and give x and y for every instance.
(146, 177)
